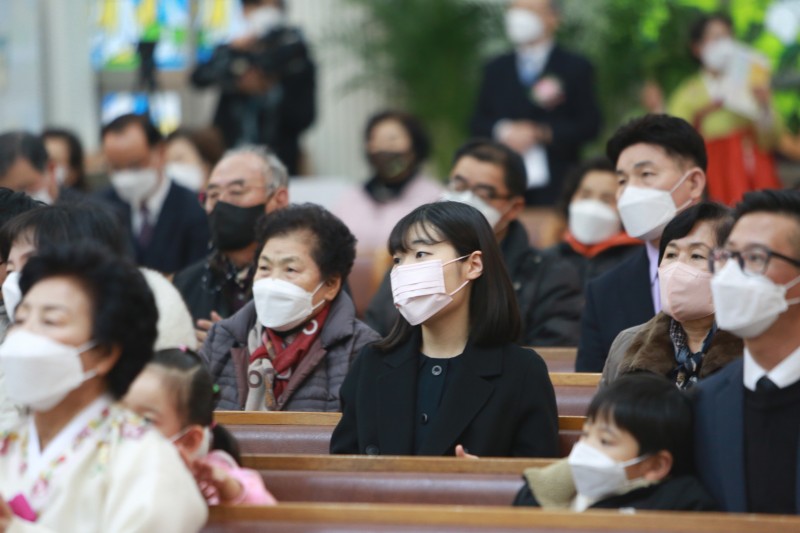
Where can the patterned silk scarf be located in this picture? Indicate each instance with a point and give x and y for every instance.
(272, 363)
(689, 364)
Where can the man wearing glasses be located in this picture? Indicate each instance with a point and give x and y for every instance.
(491, 177)
(247, 183)
(747, 417)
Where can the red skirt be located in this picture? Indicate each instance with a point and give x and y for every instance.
(736, 165)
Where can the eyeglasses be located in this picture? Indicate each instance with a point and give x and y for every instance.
(232, 191)
(753, 261)
(484, 192)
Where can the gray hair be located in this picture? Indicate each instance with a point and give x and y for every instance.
(273, 170)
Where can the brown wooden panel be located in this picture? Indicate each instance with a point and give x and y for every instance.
(315, 517)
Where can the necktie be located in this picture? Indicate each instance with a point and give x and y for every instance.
(766, 385)
(146, 231)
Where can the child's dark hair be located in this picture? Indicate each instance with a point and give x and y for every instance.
(196, 395)
(654, 411)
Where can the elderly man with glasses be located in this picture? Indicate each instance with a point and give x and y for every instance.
(747, 416)
(491, 177)
(247, 183)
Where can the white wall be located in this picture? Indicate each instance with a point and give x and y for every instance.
(21, 98)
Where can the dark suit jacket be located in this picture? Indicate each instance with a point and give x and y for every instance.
(499, 403)
(574, 121)
(619, 299)
(719, 437)
(181, 233)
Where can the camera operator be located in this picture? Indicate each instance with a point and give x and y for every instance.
(267, 79)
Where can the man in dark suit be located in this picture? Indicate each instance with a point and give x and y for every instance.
(661, 163)
(26, 167)
(539, 99)
(747, 416)
(166, 224)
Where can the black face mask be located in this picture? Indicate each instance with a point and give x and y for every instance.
(392, 167)
(234, 227)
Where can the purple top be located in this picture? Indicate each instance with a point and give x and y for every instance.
(655, 289)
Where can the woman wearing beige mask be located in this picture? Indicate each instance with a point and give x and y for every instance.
(681, 342)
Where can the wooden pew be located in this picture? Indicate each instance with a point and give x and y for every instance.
(298, 518)
(363, 479)
(310, 433)
(558, 359)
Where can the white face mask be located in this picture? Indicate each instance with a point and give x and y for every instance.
(263, 20)
(185, 174)
(468, 197)
(39, 371)
(597, 475)
(418, 289)
(748, 305)
(201, 450)
(12, 295)
(61, 174)
(593, 221)
(645, 211)
(281, 305)
(523, 26)
(42, 195)
(134, 186)
(716, 55)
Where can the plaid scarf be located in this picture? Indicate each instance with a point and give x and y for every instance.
(686, 373)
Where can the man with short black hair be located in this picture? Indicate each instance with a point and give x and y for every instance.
(661, 163)
(491, 177)
(25, 166)
(167, 226)
(747, 416)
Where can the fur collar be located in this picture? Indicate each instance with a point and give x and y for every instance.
(651, 350)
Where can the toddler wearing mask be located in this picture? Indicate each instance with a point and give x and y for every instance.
(176, 394)
(635, 452)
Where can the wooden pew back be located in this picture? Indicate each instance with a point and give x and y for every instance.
(310, 433)
(296, 518)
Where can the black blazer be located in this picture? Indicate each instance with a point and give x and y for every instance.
(719, 437)
(499, 403)
(575, 121)
(181, 233)
(619, 299)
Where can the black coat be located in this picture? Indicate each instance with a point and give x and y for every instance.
(181, 233)
(548, 293)
(683, 493)
(589, 268)
(205, 287)
(574, 122)
(499, 403)
(619, 299)
(292, 111)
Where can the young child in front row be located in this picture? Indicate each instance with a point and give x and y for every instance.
(176, 393)
(635, 452)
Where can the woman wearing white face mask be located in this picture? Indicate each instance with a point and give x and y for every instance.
(635, 452)
(594, 241)
(447, 378)
(682, 342)
(78, 461)
(190, 155)
(739, 143)
(294, 342)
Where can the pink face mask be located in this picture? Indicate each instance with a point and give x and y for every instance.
(685, 292)
(418, 289)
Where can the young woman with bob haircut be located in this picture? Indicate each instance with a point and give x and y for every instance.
(448, 376)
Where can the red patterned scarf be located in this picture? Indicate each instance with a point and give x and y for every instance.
(285, 358)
